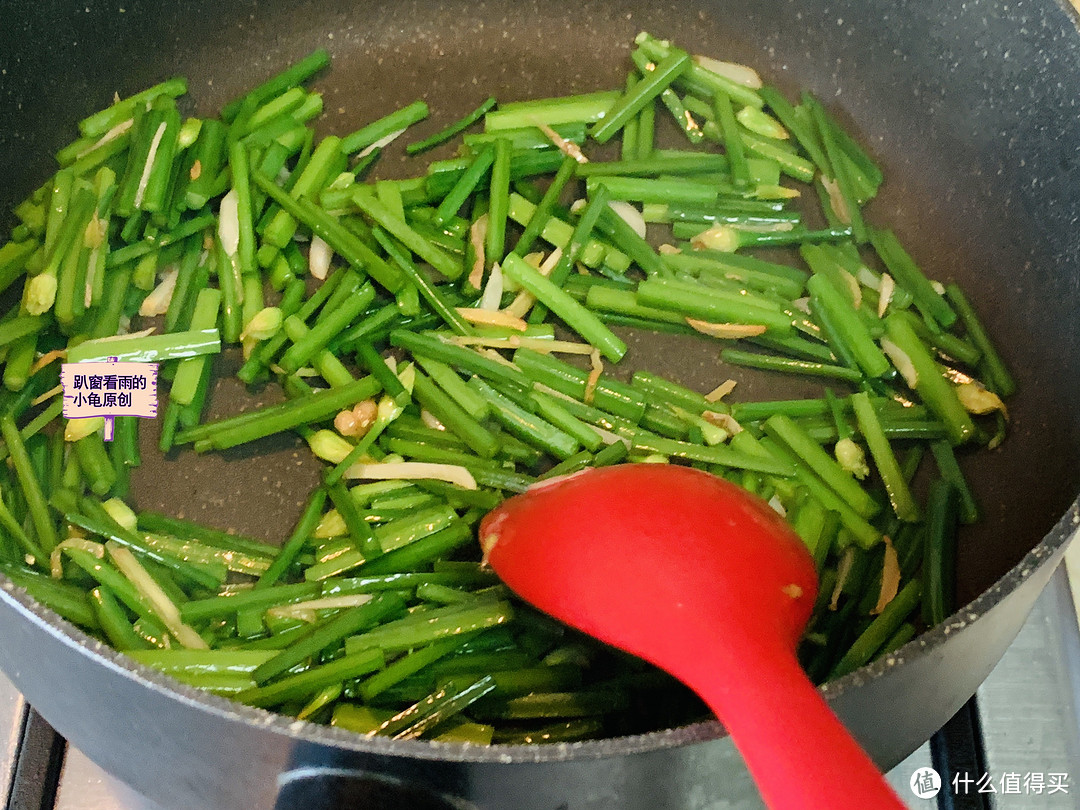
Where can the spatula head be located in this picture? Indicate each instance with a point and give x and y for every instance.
(654, 559)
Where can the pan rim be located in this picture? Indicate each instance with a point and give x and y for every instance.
(1047, 552)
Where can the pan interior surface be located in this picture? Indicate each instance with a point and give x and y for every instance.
(965, 106)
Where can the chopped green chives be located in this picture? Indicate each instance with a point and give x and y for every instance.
(840, 173)
(35, 500)
(937, 392)
(232, 431)
(376, 593)
(785, 430)
(950, 470)
(465, 185)
(448, 380)
(734, 147)
(880, 630)
(336, 235)
(629, 104)
(773, 363)
(384, 127)
(714, 305)
(327, 327)
(498, 202)
(455, 418)
(721, 455)
(148, 348)
(525, 425)
(296, 74)
(903, 502)
(852, 330)
(452, 621)
(304, 684)
(453, 129)
(538, 218)
(587, 107)
(430, 292)
(910, 277)
(346, 623)
(995, 367)
(628, 142)
(558, 233)
(433, 255)
(190, 370)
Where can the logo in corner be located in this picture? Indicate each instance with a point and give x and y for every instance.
(926, 783)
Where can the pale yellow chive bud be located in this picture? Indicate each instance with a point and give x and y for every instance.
(264, 324)
(654, 458)
(719, 237)
(487, 545)
(762, 123)
(331, 525)
(846, 561)
(52, 392)
(40, 294)
(740, 74)
(890, 577)
(328, 445)
(229, 224)
(76, 429)
(319, 257)
(157, 302)
(189, 132)
(886, 290)
(94, 235)
(121, 513)
(41, 362)
(770, 192)
(160, 603)
(853, 287)
(851, 458)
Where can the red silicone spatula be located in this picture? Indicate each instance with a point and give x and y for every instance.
(707, 582)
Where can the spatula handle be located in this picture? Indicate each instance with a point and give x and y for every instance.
(799, 753)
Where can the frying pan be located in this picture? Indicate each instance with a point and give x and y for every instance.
(970, 108)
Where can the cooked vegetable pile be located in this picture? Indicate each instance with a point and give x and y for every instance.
(447, 340)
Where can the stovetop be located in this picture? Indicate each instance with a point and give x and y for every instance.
(1015, 746)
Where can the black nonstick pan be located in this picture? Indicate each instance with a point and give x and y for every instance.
(970, 109)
